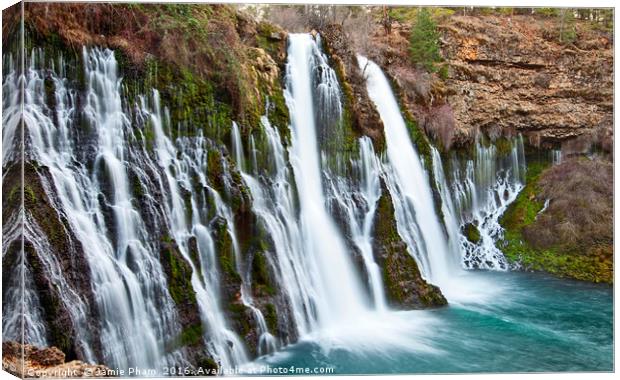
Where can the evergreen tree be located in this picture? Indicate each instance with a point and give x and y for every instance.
(424, 41)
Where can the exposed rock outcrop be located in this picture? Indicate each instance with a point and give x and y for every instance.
(507, 75)
(30, 361)
(404, 286)
(363, 114)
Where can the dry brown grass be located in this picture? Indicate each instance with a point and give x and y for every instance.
(579, 218)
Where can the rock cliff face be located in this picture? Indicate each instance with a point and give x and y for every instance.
(507, 75)
(511, 74)
(364, 117)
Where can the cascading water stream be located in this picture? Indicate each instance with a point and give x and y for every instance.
(274, 203)
(126, 278)
(342, 297)
(266, 341)
(482, 189)
(359, 201)
(409, 185)
(226, 345)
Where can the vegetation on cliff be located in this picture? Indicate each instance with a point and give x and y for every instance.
(424, 42)
(210, 61)
(573, 235)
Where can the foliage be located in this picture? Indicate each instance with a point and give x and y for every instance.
(409, 14)
(567, 32)
(580, 212)
(424, 42)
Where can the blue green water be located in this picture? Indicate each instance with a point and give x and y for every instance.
(523, 322)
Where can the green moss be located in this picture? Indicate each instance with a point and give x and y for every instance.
(215, 171)
(179, 275)
(239, 313)
(522, 212)
(385, 226)
(226, 253)
(194, 104)
(271, 317)
(191, 335)
(278, 113)
(195, 255)
(29, 194)
(15, 194)
(138, 191)
(554, 261)
(276, 48)
(471, 233)
(400, 271)
(503, 146)
(260, 275)
(207, 364)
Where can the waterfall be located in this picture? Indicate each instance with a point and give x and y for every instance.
(408, 182)
(313, 266)
(226, 345)
(127, 280)
(11, 109)
(20, 293)
(477, 191)
(266, 341)
(339, 287)
(556, 156)
(126, 188)
(359, 202)
(482, 188)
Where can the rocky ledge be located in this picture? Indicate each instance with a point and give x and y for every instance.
(505, 75)
(45, 362)
(513, 74)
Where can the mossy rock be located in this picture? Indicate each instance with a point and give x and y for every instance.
(207, 364)
(179, 274)
(191, 335)
(261, 278)
(271, 317)
(404, 286)
(225, 252)
(471, 232)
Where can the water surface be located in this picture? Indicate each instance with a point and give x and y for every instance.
(508, 322)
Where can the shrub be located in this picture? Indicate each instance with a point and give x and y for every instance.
(580, 213)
